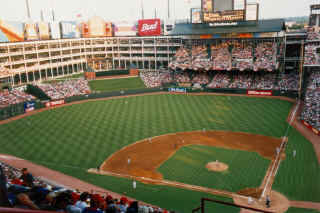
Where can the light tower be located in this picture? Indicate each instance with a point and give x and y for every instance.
(28, 9)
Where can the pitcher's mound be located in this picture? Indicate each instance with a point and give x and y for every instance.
(217, 166)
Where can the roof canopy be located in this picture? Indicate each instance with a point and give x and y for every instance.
(262, 26)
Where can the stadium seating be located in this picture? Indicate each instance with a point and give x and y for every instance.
(14, 96)
(228, 56)
(46, 196)
(231, 80)
(64, 89)
(311, 108)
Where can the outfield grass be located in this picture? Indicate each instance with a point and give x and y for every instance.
(110, 85)
(299, 210)
(74, 138)
(304, 181)
(195, 158)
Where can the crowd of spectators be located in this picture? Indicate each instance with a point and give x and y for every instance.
(312, 36)
(311, 56)
(23, 190)
(64, 89)
(227, 56)
(242, 56)
(265, 55)
(288, 82)
(14, 96)
(226, 79)
(220, 80)
(253, 80)
(156, 78)
(311, 108)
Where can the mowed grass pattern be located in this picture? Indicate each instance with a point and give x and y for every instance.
(110, 85)
(195, 158)
(74, 138)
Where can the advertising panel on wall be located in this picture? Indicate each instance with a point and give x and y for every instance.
(55, 30)
(30, 30)
(109, 29)
(124, 28)
(29, 106)
(260, 92)
(84, 30)
(43, 28)
(149, 27)
(252, 12)
(55, 103)
(314, 130)
(69, 29)
(196, 16)
(11, 31)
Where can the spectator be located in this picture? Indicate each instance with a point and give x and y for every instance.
(133, 208)
(82, 202)
(94, 207)
(27, 178)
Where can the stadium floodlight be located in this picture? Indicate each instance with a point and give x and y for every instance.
(28, 9)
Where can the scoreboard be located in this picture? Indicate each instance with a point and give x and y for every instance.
(215, 11)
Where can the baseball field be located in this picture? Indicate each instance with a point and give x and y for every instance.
(73, 139)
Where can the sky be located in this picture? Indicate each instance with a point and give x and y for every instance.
(129, 10)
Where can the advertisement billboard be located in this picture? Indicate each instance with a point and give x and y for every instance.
(69, 29)
(29, 106)
(96, 27)
(30, 30)
(43, 28)
(196, 16)
(55, 30)
(11, 31)
(108, 29)
(124, 28)
(149, 27)
(252, 12)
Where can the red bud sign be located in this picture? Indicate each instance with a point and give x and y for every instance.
(149, 27)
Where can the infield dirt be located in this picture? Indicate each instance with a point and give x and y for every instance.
(146, 156)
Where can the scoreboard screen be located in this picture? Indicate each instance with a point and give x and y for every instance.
(222, 5)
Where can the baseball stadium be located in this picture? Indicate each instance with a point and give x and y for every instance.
(216, 113)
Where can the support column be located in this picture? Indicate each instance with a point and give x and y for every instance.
(20, 77)
(27, 77)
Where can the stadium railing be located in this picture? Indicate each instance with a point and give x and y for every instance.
(204, 200)
(16, 109)
(15, 210)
